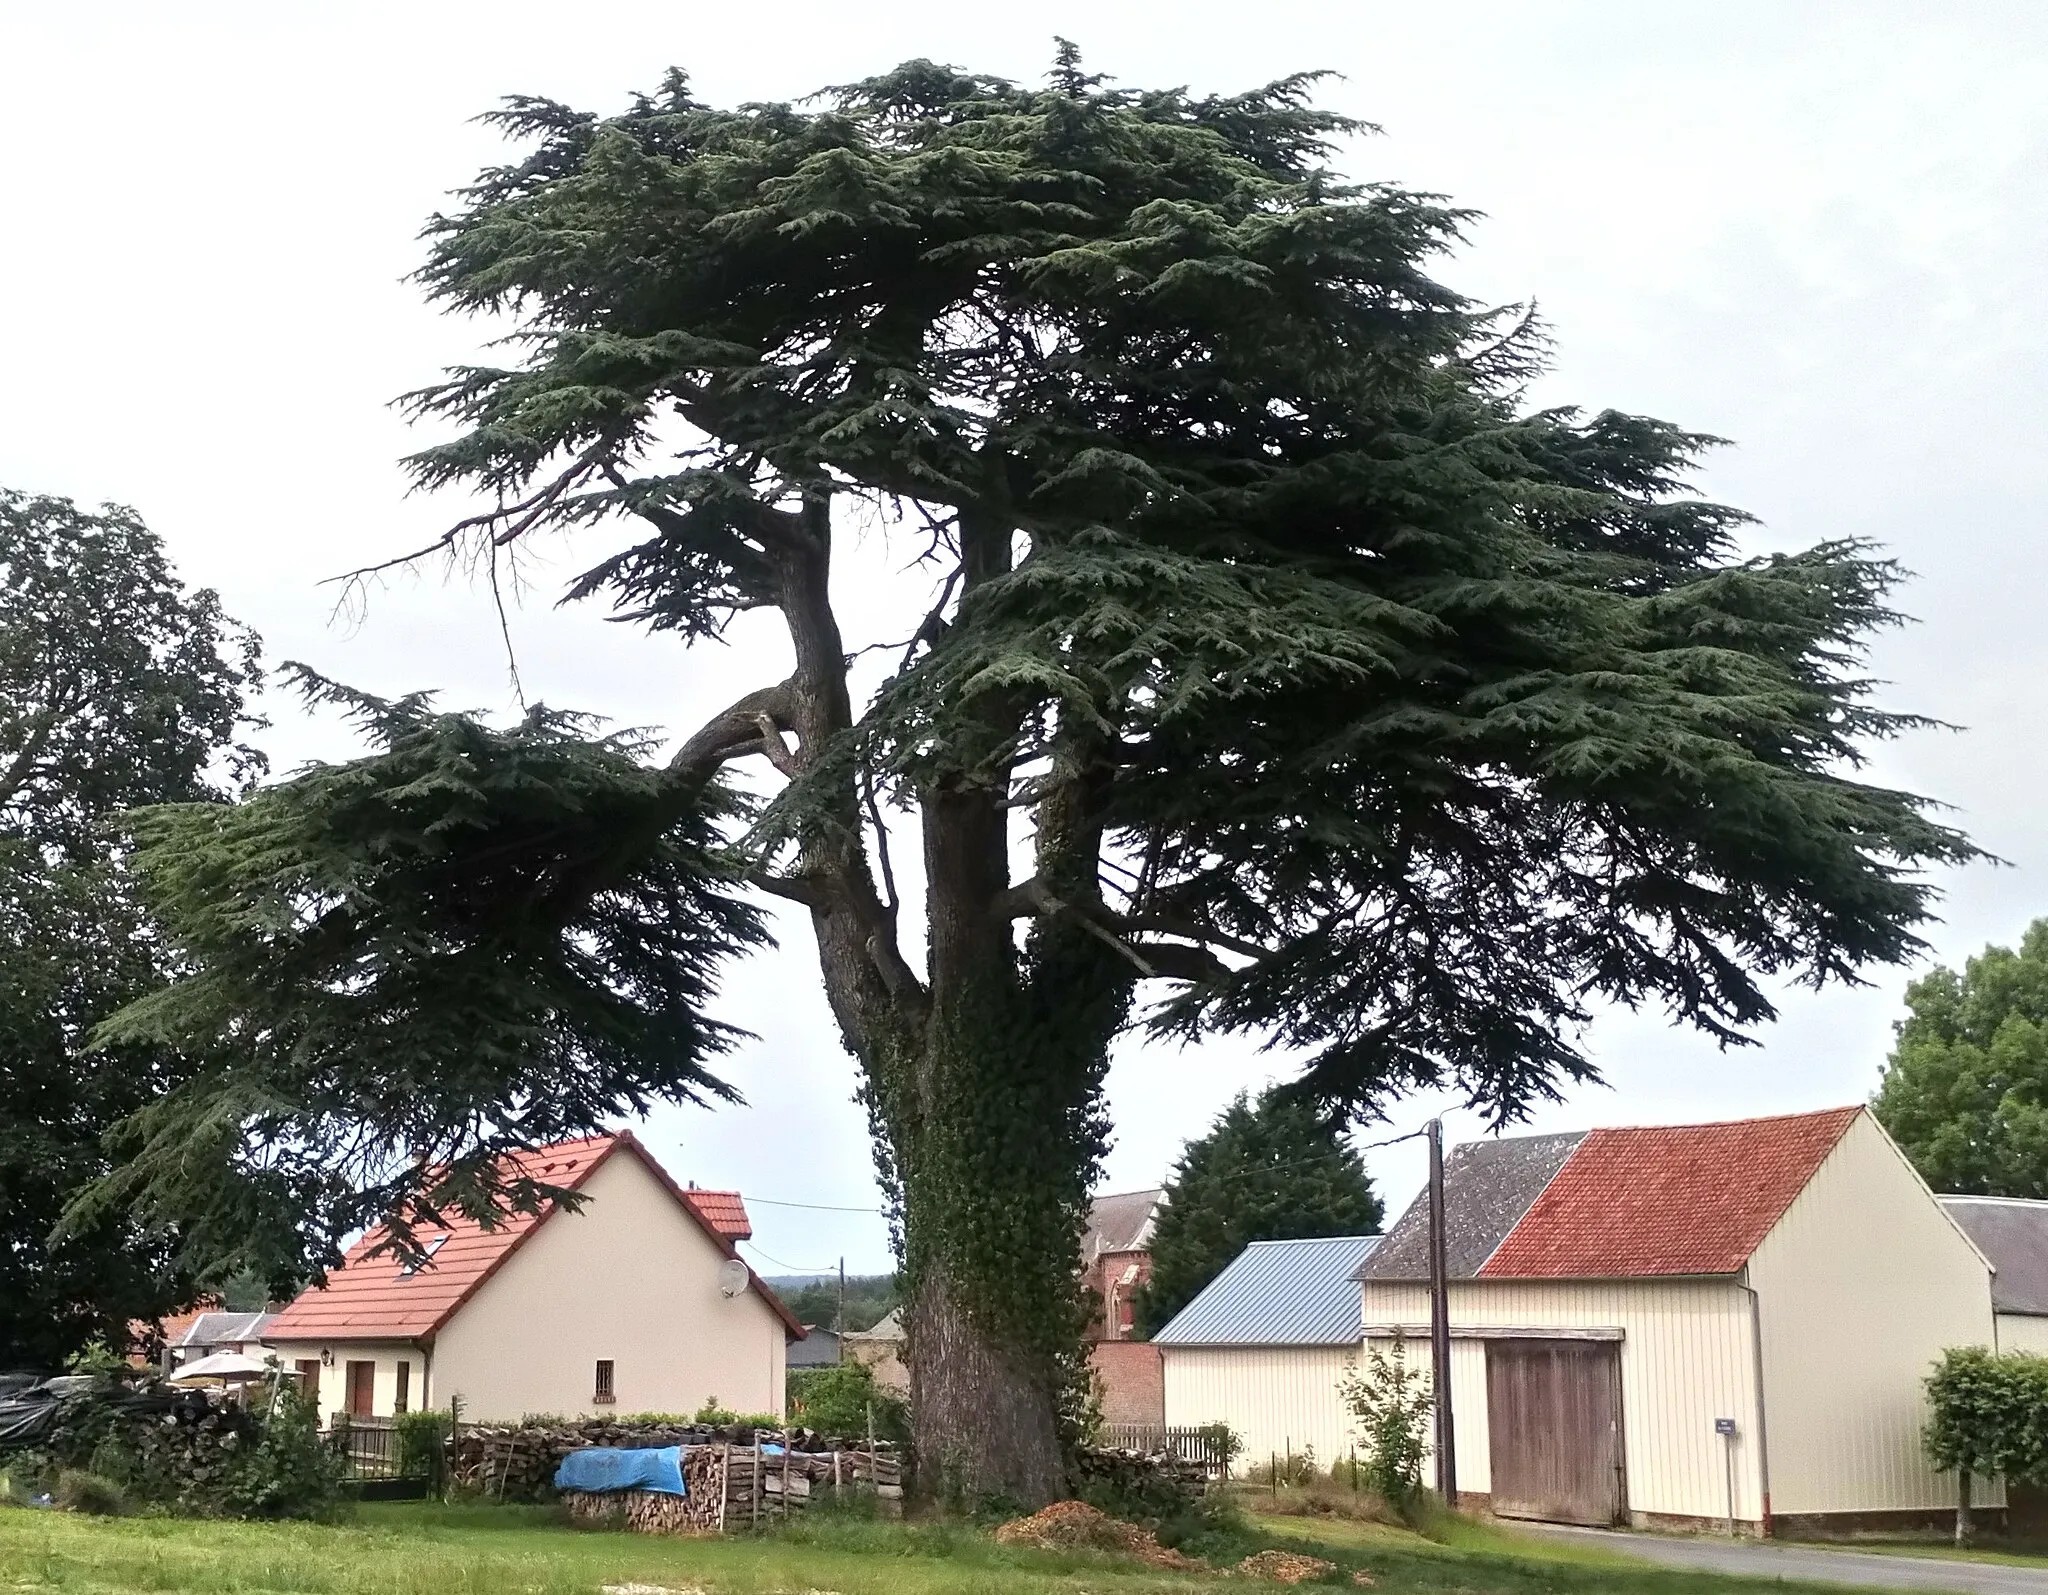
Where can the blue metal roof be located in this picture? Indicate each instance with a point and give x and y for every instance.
(1278, 1293)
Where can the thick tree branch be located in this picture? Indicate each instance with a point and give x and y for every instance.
(865, 972)
(775, 748)
(1033, 900)
(1153, 960)
(1178, 961)
(735, 731)
(793, 887)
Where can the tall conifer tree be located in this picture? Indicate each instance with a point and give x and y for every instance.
(1333, 693)
(1270, 1171)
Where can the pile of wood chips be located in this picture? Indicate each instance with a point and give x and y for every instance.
(1075, 1525)
(1285, 1567)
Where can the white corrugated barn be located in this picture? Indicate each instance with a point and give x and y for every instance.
(1682, 1324)
(1263, 1347)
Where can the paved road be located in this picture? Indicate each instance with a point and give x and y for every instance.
(1862, 1568)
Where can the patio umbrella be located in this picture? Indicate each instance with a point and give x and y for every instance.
(230, 1367)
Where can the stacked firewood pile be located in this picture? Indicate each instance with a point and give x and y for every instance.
(1139, 1472)
(734, 1486)
(517, 1462)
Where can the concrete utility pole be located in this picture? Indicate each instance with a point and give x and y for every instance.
(1440, 1324)
(839, 1318)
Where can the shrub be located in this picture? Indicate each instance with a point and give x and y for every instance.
(712, 1415)
(423, 1445)
(79, 1491)
(1393, 1404)
(291, 1470)
(838, 1400)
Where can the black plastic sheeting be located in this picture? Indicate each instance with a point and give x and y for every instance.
(28, 1415)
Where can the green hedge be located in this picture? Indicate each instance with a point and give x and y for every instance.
(1990, 1414)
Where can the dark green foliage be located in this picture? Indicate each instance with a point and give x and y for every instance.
(1385, 716)
(447, 965)
(1459, 713)
(1277, 1171)
(844, 1401)
(1988, 1415)
(1966, 1091)
(869, 1299)
(117, 686)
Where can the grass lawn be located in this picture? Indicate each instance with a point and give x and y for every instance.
(477, 1550)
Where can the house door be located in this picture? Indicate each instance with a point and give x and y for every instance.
(362, 1387)
(1553, 1418)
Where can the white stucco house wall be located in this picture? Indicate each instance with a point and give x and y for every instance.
(1682, 1325)
(635, 1302)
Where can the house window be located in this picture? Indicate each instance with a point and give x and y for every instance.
(400, 1395)
(605, 1394)
(433, 1246)
(362, 1389)
(308, 1370)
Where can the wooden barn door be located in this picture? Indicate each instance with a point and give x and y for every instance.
(1553, 1416)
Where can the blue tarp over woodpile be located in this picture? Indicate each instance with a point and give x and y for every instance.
(598, 1469)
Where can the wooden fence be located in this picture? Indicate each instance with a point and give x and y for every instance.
(1206, 1448)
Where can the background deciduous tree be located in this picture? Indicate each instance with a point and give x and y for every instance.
(1284, 672)
(1274, 1171)
(117, 687)
(1965, 1093)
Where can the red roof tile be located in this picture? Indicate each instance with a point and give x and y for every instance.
(1674, 1199)
(375, 1298)
(723, 1211)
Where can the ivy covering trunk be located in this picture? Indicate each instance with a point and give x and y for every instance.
(1284, 673)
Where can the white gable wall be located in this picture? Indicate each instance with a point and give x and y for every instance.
(1687, 1358)
(2023, 1332)
(1278, 1400)
(630, 1278)
(1861, 1286)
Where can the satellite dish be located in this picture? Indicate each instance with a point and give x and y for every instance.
(732, 1277)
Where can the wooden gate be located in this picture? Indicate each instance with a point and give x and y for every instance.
(1553, 1418)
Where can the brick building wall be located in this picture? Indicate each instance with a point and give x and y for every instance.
(1131, 1380)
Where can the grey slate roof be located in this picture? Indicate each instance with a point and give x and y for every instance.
(224, 1329)
(818, 1349)
(2013, 1233)
(1278, 1293)
(1120, 1223)
(1488, 1186)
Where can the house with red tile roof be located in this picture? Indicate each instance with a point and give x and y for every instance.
(635, 1300)
(1702, 1325)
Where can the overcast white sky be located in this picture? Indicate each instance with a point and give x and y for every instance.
(1818, 230)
